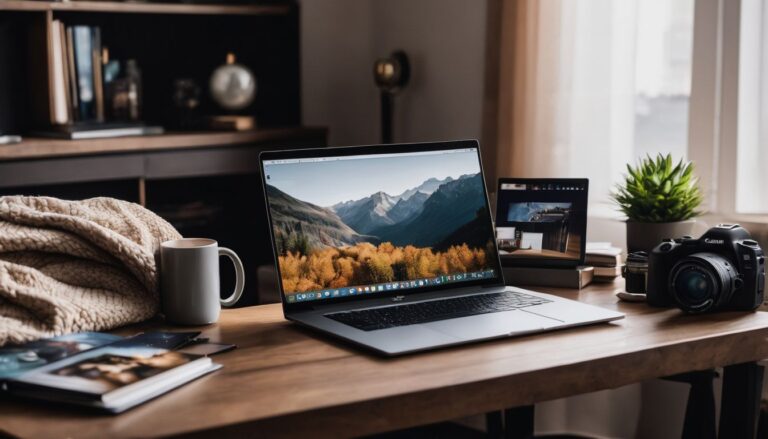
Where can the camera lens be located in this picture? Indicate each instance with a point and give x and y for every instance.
(635, 273)
(695, 284)
(702, 281)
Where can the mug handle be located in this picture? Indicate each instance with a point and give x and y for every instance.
(239, 277)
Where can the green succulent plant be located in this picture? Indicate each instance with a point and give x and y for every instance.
(657, 191)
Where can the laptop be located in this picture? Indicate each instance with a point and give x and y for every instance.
(391, 247)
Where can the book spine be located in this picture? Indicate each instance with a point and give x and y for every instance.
(71, 66)
(611, 272)
(98, 82)
(566, 278)
(65, 67)
(50, 71)
(58, 84)
(83, 42)
(603, 261)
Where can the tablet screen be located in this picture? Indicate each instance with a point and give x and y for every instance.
(542, 221)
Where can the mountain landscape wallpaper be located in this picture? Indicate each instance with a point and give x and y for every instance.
(422, 225)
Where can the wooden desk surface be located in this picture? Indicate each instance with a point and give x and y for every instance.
(284, 381)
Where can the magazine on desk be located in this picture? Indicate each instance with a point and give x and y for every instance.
(100, 370)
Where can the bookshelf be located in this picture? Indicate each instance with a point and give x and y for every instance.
(166, 41)
(206, 183)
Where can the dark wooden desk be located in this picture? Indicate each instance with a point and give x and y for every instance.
(284, 381)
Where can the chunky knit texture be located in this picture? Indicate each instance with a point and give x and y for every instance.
(69, 266)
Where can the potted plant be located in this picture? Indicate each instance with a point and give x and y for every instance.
(659, 199)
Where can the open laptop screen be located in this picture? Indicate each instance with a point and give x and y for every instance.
(352, 225)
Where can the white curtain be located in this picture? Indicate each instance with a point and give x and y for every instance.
(566, 108)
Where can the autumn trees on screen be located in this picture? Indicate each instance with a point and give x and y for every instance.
(366, 264)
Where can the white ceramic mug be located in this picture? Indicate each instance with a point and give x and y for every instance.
(189, 280)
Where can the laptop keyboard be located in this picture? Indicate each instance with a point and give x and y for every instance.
(434, 310)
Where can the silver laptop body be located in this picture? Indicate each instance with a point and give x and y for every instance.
(391, 247)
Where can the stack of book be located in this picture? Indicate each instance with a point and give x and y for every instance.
(606, 259)
(77, 80)
(77, 84)
(563, 277)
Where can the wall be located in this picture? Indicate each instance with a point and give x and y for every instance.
(445, 40)
(336, 78)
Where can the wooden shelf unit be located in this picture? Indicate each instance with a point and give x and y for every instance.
(142, 7)
(207, 183)
(166, 41)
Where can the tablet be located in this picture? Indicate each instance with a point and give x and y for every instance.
(542, 222)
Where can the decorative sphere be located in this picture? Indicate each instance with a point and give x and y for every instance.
(233, 86)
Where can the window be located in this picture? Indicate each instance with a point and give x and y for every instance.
(728, 118)
(598, 84)
(698, 94)
(663, 76)
(752, 152)
(623, 87)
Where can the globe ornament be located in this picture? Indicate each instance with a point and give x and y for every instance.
(233, 85)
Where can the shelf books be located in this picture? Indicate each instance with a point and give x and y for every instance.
(606, 259)
(76, 74)
(99, 371)
(77, 87)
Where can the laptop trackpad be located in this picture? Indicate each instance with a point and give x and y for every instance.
(493, 324)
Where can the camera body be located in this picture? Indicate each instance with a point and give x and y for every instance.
(722, 270)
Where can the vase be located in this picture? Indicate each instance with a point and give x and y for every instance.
(646, 236)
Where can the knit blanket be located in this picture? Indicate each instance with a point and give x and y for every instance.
(69, 266)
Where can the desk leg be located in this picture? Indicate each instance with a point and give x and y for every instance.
(518, 422)
(700, 418)
(742, 389)
(494, 425)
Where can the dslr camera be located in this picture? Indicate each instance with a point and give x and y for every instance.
(722, 270)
